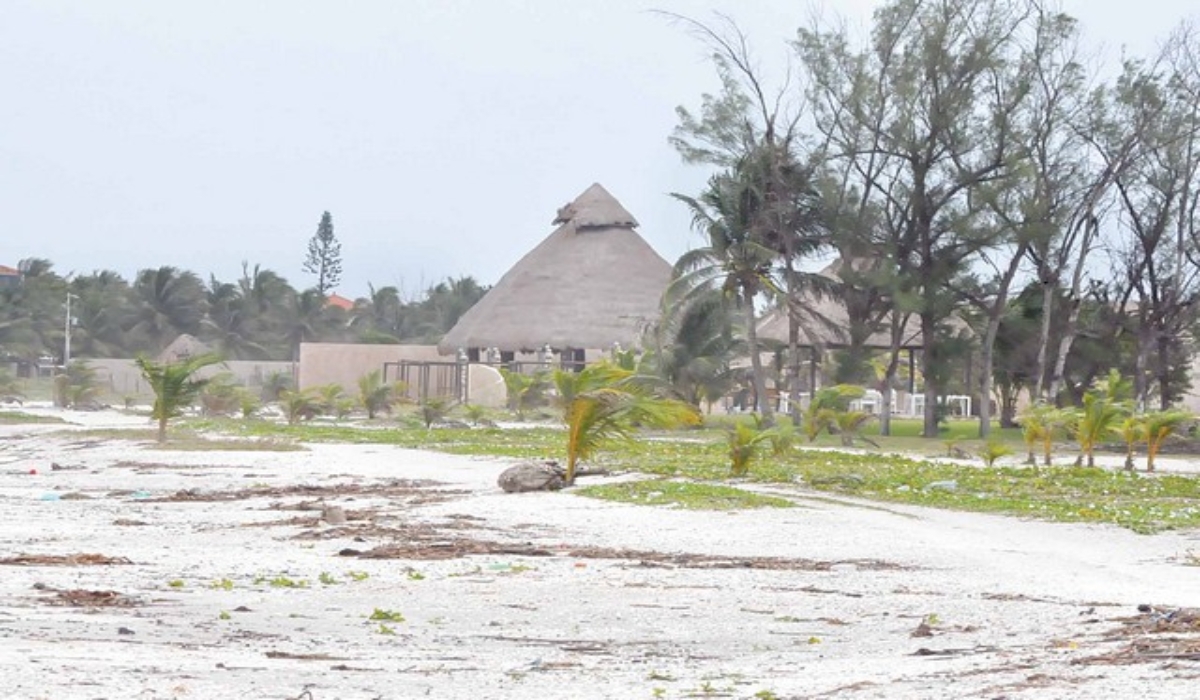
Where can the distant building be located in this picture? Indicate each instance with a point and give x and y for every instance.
(594, 283)
(10, 277)
(339, 301)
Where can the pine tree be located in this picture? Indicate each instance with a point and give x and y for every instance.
(324, 256)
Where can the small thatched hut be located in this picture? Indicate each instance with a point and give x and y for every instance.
(592, 283)
(183, 347)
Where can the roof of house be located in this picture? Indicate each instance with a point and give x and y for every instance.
(593, 282)
(339, 301)
(6, 271)
(825, 321)
(186, 345)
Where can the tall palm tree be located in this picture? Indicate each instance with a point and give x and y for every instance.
(735, 261)
(168, 302)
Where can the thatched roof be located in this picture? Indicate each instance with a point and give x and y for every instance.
(593, 282)
(825, 322)
(183, 347)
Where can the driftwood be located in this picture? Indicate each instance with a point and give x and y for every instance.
(546, 475)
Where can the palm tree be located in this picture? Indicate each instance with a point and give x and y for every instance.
(1159, 426)
(693, 349)
(734, 261)
(790, 218)
(169, 302)
(602, 402)
(174, 385)
(375, 396)
(1097, 418)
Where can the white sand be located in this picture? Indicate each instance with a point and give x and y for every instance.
(1018, 604)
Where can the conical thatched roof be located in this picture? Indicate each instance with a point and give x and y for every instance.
(826, 322)
(184, 346)
(593, 282)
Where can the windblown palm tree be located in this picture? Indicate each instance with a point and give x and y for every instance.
(175, 386)
(603, 402)
(734, 261)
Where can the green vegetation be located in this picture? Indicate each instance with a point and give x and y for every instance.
(20, 417)
(386, 615)
(604, 402)
(683, 494)
(174, 385)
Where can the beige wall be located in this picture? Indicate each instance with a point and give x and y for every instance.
(123, 378)
(345, 363)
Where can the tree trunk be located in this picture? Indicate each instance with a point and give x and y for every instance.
(928, 359)
(1043, 360)
(162, 427)
(756, 368)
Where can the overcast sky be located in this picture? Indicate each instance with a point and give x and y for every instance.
(441, 134)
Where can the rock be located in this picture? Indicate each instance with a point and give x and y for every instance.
(334, 515)
(949, 485)
(532, 476)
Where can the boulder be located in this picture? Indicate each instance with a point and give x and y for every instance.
(532, 476)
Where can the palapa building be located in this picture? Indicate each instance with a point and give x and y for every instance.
(593, 284)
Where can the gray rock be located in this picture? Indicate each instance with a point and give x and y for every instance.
(334, 515)
(949, 485)
(532, 476)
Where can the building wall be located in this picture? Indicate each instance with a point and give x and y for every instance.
(345, 363)
(123, 378)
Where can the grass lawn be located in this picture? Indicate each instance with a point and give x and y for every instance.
(1142, 502)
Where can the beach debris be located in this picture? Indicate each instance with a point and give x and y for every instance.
(547, 475)
(1155, 634)
(63, 560)
(81, 598)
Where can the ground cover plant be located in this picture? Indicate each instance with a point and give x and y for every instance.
(1062, 492)
(19, 417)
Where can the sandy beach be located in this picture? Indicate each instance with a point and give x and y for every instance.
(128, 571)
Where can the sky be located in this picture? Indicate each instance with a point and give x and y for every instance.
(442, 135)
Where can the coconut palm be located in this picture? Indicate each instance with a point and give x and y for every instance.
(1098, 418)
(603, 402)
(733, 260)
(168, 302)
(693, 349)
(1040, 425)
(1159, 426)
(375, 396)
(175, 386)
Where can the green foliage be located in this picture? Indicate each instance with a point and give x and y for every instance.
(78, 387)
(433, 409)
(746, 440)
(375, 396)
(275, 384)
(175, 386)
(827, 403)
(477, 415)
(324, 258)
(604, 402)
(299, 405)
(1103, 407)
(1159, 426)
(386, 615)
(221, 395)
(993, 451)
(682, 494)
(1040, 426)
(10, 388)
(525, 391)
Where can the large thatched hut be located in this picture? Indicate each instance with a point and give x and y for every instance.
(594, 282)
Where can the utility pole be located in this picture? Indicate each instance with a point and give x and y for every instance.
(67, 334)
